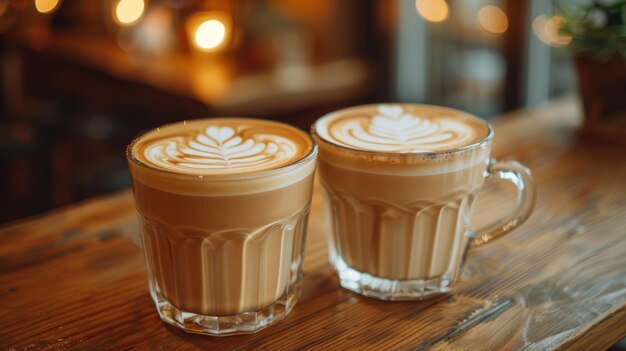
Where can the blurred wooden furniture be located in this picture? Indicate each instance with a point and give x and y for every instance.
(96, 72)
(105, 96)
(73, 279)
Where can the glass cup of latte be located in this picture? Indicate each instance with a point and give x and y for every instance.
(223, 205)
(399, 183)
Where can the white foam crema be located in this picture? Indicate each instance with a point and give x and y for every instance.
(387, 137)
(400, 128)
(222, 146)
(211, 149)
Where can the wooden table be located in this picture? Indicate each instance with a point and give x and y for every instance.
(73, 279)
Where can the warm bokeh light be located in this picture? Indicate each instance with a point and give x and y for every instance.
(432, 10)
(547, 30)
(210, 34)
(128, 12)
(493, 19)
(553, 31)
(46, 6)
(209, 31)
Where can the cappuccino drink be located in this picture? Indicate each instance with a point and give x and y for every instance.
(399, 183)
(223, 206)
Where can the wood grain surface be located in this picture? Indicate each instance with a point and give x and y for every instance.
(73, 279)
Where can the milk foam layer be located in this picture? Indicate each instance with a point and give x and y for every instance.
(405, 128)
(221, 146)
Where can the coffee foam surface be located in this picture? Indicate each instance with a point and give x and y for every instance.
(214, 150)
(221, 146)
(401, 128)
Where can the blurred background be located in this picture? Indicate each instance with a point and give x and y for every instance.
(80, 79)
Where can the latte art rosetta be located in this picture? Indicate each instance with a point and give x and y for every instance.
(391, 128)
(222, 148)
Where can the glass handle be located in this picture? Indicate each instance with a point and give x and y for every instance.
(524, 181)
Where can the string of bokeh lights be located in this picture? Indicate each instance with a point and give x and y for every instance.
(493, 20)
(209, 31)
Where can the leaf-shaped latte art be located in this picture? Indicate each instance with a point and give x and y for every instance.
(392, 129)
(222, 148)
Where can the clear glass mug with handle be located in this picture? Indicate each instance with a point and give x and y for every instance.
(400, 183)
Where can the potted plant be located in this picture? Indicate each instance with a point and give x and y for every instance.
(598, 32)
